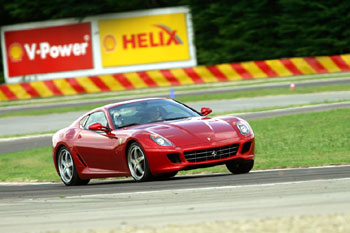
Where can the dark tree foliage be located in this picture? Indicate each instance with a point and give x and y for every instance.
(225, 30)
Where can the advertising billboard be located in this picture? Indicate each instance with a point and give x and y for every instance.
(97, 45)
(49, 49)
(144, 40)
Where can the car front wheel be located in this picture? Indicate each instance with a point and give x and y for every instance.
(66, 168)
(138, 164)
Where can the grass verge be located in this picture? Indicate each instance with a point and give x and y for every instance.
(265, 92)
(302, 140)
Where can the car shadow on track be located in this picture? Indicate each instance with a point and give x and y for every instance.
(173, 179)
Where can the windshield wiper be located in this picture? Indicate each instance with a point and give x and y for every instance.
(128, 125)
(175, 118)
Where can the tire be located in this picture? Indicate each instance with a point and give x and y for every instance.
(165, 176)
(240, 167)
(67, 170)
(138, 164)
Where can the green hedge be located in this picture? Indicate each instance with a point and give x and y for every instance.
(225, 31)
(229, 31)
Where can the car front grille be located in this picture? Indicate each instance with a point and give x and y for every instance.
(211, 154)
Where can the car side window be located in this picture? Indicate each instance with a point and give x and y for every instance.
(96, 117)
(83, 121)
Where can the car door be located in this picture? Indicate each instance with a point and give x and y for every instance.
(97, 149)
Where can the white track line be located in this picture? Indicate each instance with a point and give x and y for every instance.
(202, 189)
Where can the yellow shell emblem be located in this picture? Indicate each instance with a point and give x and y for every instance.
(109, 43)
(16, 52)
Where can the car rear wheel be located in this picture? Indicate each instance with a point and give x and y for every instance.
(138, 164)
(240, 167)
(66, 168)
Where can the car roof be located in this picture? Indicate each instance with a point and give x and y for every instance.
(109, 106)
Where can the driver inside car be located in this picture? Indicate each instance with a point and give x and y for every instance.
(154, 114)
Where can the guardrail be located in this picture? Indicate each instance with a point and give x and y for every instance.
(175, 77)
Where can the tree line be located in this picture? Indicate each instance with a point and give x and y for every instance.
(224, 30)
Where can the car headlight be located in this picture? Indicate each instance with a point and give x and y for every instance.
(160, 140)
(243, 127)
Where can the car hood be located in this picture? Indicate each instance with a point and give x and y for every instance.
(194, 131)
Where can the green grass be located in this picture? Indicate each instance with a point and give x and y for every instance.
(303, 140)
(265, 92)
(312, 139)
(218, 96)
(277, 108)
(29, 165)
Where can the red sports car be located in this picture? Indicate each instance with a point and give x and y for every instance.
(150, 138)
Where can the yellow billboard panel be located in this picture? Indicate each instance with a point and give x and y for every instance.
(144, 40)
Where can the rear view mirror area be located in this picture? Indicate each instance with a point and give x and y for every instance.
(206, 111)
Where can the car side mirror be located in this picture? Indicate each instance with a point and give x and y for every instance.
(206, 111)
(99, 127)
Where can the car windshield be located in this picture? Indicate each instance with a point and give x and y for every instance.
(149, 111)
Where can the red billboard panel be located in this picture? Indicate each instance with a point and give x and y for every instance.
(49, 50)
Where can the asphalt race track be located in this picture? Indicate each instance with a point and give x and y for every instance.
(114, 204)
(52, 190)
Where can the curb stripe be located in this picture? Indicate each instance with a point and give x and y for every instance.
(135, 79)
(158, 78)
(241, 71)
(41, 89)
(203, 72)
(315, 65)
(302, 65)
(193, 75)
(52, 86)
(229, 72)
(328, 64)
(178, 76)
(170, 77)
(112, 83)
(266, 68)
(64, 86)
(340, 63)
(7, 92)
(217, 73)
(19, 91)
(77, 87)
(182, 76)
(123, 81)
(279, 67)
(87, 84)
(2, 96)
(346, 58)
(147, 79)
(98, 82)
(291, 67)
(30, 90)
(254, 70)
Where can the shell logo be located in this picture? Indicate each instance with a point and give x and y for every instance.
(16, 52)
(109, 43)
